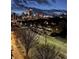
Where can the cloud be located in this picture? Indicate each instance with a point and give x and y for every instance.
(43, 1)
(22, 4)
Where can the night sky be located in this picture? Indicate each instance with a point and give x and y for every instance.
(40, 4)
(58, 4)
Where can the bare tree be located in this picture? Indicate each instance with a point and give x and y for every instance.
(28, 39)
(45, 52)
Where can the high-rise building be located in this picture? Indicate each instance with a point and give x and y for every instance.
(30, 12)
(14, 17)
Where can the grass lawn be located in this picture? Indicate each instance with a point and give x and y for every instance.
(59, 44)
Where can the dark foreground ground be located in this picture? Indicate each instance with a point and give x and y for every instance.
(49, 32)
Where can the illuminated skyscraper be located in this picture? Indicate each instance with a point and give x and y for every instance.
(30, 12)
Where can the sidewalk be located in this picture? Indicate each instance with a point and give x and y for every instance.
(16, 47)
